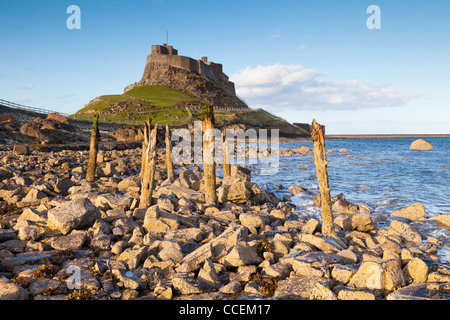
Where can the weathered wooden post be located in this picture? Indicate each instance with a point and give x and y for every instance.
(320, 157)
(148, 164)
(226, 155)
(93, 150)
(169, 162)
(209, 168)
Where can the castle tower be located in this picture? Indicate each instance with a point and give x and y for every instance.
(164, 49)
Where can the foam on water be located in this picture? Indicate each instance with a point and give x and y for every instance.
(392, 175)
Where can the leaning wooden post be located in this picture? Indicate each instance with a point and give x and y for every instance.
(169, 162)
(209, 168)
(148, 164)
(320, 157)
(226, 155)
(93, 150)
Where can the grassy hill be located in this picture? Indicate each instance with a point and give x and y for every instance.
(160, 95)
(164, 105)
(168, 106)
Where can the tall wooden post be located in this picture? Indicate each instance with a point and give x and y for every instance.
(209, 168)
(169, 162)
(148, 164)
(93, 150)
(226, 155)
(320, 157)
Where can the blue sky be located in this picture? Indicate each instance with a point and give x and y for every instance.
(297, 59)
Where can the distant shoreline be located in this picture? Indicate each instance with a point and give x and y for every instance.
(385, 136)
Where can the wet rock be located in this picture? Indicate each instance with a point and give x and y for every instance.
(443, 219)
(345, 207)
(414, 212)
(241, 173)
(421, 145)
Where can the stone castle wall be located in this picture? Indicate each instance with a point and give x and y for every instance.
(167, 55)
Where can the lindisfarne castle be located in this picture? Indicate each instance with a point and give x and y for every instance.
(214, 71)
(200, 78)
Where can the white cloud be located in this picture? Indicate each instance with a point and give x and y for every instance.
(303, 46)
(26, 87)
(296, 87)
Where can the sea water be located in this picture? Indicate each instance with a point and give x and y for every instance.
(381, 173)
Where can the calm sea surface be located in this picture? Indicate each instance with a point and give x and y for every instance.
(381, 173)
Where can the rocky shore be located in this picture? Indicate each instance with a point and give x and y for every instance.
(58, 231)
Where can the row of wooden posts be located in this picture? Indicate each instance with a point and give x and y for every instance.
(148, 166)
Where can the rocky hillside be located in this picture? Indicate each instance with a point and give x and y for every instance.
(51, 129)
(195, 85)
(174, 107)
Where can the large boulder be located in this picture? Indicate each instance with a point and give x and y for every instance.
(406, 231)
(57, 117)
(385, 275)
(299, 288)
(159, 221)
(128, 133)
(11, 291)
(343, 206)
(421, 145)
(420, 291)
(359, 221)
(74, 214)
(52, 131)
(413, 212)
(443, 219)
